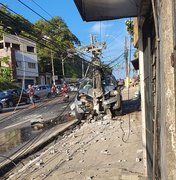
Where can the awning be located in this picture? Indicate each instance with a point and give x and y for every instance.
(96, 10)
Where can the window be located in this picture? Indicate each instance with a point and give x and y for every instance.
(1, 45)
(7, 44)
(16, 46)
(31, 65)
(19, 64)
(30, 49)
(43, 87)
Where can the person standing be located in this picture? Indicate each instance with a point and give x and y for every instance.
(31, 95)
(53, 90)
(65, 92)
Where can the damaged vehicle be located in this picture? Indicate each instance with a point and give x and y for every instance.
(110, 102)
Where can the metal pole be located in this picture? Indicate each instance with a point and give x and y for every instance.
(82, 68)
(52, 62)
(63, 70)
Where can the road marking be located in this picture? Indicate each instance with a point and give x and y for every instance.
(16, 124)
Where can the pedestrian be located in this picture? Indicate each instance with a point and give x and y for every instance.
(65, 92)
(53, 88)
(31, 95)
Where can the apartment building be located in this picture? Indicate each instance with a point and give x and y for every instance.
(22, 58)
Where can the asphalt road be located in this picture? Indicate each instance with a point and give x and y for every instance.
(45, 110)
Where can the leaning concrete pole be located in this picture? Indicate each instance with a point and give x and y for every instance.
(97, 84)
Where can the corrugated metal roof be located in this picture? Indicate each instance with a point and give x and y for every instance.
(96, 10)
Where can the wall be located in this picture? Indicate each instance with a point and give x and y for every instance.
(28, 58)
(159, 76)
(18, 40)
(168, 106)
(149, 93)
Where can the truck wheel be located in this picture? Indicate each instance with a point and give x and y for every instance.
(49, 95)
(118, 112)
(1, 107)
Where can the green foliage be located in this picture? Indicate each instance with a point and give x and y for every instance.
(5, 70)
(6, 84)
(130, 27)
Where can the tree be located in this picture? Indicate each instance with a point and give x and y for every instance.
(58, 37)
(130, 29)
(5, 70)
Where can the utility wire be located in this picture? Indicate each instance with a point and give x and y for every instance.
(42, 8)
(42, 38)
(37, 13)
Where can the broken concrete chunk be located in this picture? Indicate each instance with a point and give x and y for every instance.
(39, 163)
(138, 159)
(52, 151)
(111, 127)
(103, 139)
(90, 177)
(107, 117)
(69, 159)
(96, 140)
(81, 161)
(139, 151)
(99, 123)
(106, 122)
(106, 152)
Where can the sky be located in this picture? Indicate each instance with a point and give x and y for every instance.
(113, 32)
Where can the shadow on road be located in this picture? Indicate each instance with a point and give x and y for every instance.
(131, 105)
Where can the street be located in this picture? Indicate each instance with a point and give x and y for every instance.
(108, 149)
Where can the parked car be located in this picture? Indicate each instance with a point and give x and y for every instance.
(1, 106)
(42, 91)
(112, 98)
(11, 97)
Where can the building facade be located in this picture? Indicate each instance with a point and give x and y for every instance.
(22, 58)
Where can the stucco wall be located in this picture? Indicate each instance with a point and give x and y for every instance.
(168, 116)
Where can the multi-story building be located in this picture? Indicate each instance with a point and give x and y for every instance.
(22, 58)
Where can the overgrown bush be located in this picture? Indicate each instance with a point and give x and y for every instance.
(6, 84)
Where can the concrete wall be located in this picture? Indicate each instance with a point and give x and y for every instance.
(18, 40)
(168, 106)
(163, 163)
(147, 95)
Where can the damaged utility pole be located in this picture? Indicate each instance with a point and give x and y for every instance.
(95, 48)
(97, 74)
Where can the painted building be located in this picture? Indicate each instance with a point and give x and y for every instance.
(22, 58)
